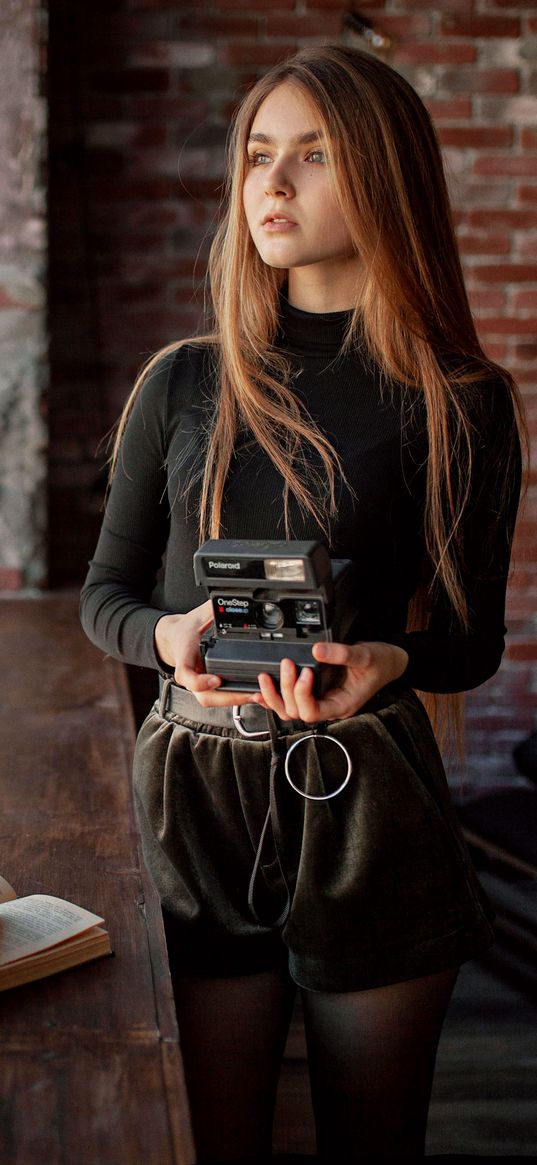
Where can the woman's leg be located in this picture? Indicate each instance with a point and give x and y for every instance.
(233, 1034)
(371, 1057)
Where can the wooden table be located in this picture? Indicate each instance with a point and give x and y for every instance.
(90, 1065)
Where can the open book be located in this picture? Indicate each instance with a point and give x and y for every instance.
(40, 935)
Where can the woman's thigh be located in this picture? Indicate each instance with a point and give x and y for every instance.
(233, 1033)
(371, 1057)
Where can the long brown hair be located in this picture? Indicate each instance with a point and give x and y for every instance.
(413, 312)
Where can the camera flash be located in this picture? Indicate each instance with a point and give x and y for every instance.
(285, 569)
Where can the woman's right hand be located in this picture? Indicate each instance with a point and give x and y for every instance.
(177, 640)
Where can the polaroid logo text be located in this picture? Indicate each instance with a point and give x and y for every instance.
(224, 565)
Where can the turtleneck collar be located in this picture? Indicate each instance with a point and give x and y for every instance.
(312, 333)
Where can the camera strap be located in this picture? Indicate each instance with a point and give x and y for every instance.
(277, 754)
(280, 752)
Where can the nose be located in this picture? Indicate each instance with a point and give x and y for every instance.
(278, 183)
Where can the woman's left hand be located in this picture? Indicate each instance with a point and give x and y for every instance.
(367, 667)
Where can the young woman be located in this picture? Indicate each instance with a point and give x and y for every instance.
(342, 395)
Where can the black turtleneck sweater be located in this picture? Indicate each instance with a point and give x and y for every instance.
(379, 432)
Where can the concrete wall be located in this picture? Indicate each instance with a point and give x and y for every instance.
(22, 296)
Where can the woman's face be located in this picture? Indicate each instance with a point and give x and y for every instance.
(289, 202)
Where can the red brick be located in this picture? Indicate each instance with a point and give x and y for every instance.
(503, 164)
(475, 136)
(11, 578)
(481, 300)
(521, 650)
(478, 26)
(439, 5)
(525, 246)
(207, 25)
(311, 23)
(266, 55)
(507, 325)
(526, 352)
(257, 5)
(525, 378)
(505, 272)
(509, 219)
(522, 4)
(527, 193)
(480, 80)
(450, 109)
(528, 138)
(494, 351)
(435, 52)
(484, 244)
(526, 301)
(403, 27)
(524, 375)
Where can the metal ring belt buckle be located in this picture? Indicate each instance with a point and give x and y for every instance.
(240, 726)
(326, 796)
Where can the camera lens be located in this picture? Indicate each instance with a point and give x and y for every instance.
(271, 616)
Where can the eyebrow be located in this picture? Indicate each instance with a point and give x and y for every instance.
(313, 135)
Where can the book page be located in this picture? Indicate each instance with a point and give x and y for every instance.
(92, 944)
(7, 892)
(37, 922)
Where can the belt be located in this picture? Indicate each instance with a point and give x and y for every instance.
(248, 719)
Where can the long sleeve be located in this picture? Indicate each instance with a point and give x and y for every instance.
(442, 658)
(117, 611)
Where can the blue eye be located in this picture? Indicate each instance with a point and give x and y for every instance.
(317, 156)
(258, 159)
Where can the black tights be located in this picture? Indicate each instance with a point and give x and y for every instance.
(371, 1058)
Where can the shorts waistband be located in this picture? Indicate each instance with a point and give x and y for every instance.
(248, 719)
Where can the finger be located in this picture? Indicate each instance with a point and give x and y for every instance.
(196, 681)
(206, 614)
(308, 708)
(271, 696)
(357, 655)
(288, 679)
(224, 699)
(341, 702)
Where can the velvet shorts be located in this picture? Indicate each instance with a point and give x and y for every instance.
(368, 887)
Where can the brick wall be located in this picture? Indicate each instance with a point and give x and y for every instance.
(22, 299)
(140, 96)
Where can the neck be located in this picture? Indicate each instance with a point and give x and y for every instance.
(326, 287)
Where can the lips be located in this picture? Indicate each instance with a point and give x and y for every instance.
(278, 224)
(278, 219)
